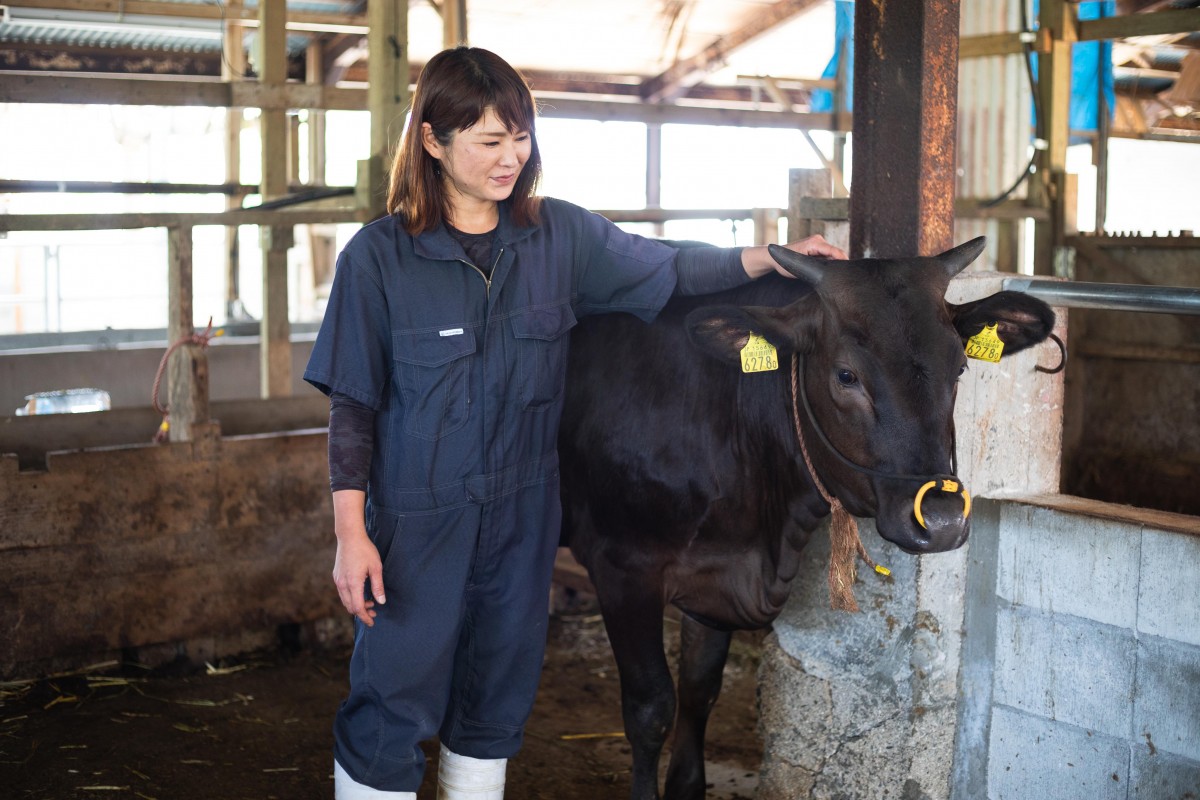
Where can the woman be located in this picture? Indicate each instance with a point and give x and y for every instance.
(444, 353)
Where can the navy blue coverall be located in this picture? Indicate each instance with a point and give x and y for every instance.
(466, 375)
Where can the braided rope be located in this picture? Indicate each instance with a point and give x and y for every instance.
(844, 541)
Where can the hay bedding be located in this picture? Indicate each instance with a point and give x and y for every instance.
(258, 727)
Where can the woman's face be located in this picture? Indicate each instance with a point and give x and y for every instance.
(481, 164)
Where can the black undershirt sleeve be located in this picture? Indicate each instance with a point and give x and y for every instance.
(703, 270)
(351, 442)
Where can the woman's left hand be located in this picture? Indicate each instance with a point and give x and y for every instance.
(757, 261)
(816, 245)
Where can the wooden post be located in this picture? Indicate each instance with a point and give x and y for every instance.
(766, 226)
(233, 68)
(654, 172)
(274, 329)
(905, 109)
(387, 97)
(805, 183)
(1100, 159)
(454, 23)
(187, 371)
(314, 65)
(1057, 30)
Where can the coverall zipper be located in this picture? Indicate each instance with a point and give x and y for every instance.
(487, 282)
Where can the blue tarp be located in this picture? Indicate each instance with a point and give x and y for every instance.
(1091, 65)
(822, 100)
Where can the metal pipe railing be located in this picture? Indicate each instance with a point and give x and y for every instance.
(1110, 296)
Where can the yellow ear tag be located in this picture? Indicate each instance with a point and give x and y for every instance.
(985, 345)
(759, 355)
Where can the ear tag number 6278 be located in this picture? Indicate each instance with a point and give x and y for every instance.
(759, 355)
(986, 345)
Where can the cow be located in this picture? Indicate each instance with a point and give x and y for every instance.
(682, 476)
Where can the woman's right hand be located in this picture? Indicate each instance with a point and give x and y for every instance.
(357, 563)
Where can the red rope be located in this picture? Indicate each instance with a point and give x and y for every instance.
(201, 339)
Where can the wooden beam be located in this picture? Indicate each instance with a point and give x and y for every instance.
(673, 83)
(990, 44)
(74, 90)
(583, 108)
(296, 20)
(70, 89)
(133, 221)
(1155, 23)
(41, 57)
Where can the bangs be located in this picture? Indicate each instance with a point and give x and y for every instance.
(514, 110)
(476, 81)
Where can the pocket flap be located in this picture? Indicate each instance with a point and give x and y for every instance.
(543, 323)
(432, 348)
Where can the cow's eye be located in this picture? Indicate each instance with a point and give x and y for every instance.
(846, 377)
(962, 370)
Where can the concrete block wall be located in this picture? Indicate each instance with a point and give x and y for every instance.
(1087, 663)
(1058, 657)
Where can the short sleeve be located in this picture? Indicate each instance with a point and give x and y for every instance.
(352, 354)
(622, 271)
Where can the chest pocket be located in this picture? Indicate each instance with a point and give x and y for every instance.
(434, 376)
(542, 341)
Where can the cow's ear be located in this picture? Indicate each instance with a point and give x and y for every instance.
(1021, 321)
(722, 331)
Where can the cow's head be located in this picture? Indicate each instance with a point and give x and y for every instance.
(882, 352)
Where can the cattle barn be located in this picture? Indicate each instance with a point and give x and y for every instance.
(178, 178)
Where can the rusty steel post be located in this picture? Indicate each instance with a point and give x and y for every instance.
(905, 109)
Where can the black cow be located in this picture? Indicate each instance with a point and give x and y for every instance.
(682, 478)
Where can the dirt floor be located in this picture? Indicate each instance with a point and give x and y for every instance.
(258, 727)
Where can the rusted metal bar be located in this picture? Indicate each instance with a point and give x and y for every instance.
(905, 103)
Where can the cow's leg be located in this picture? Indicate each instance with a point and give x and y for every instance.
(633, 616)
(702, 654)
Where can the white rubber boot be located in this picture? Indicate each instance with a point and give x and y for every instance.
(466, 778)
(346, 788)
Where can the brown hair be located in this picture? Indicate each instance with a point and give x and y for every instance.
(455, 89)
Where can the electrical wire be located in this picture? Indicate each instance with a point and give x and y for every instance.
(1038, 120)
(224, 31)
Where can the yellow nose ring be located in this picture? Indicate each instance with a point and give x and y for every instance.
(947, 485)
